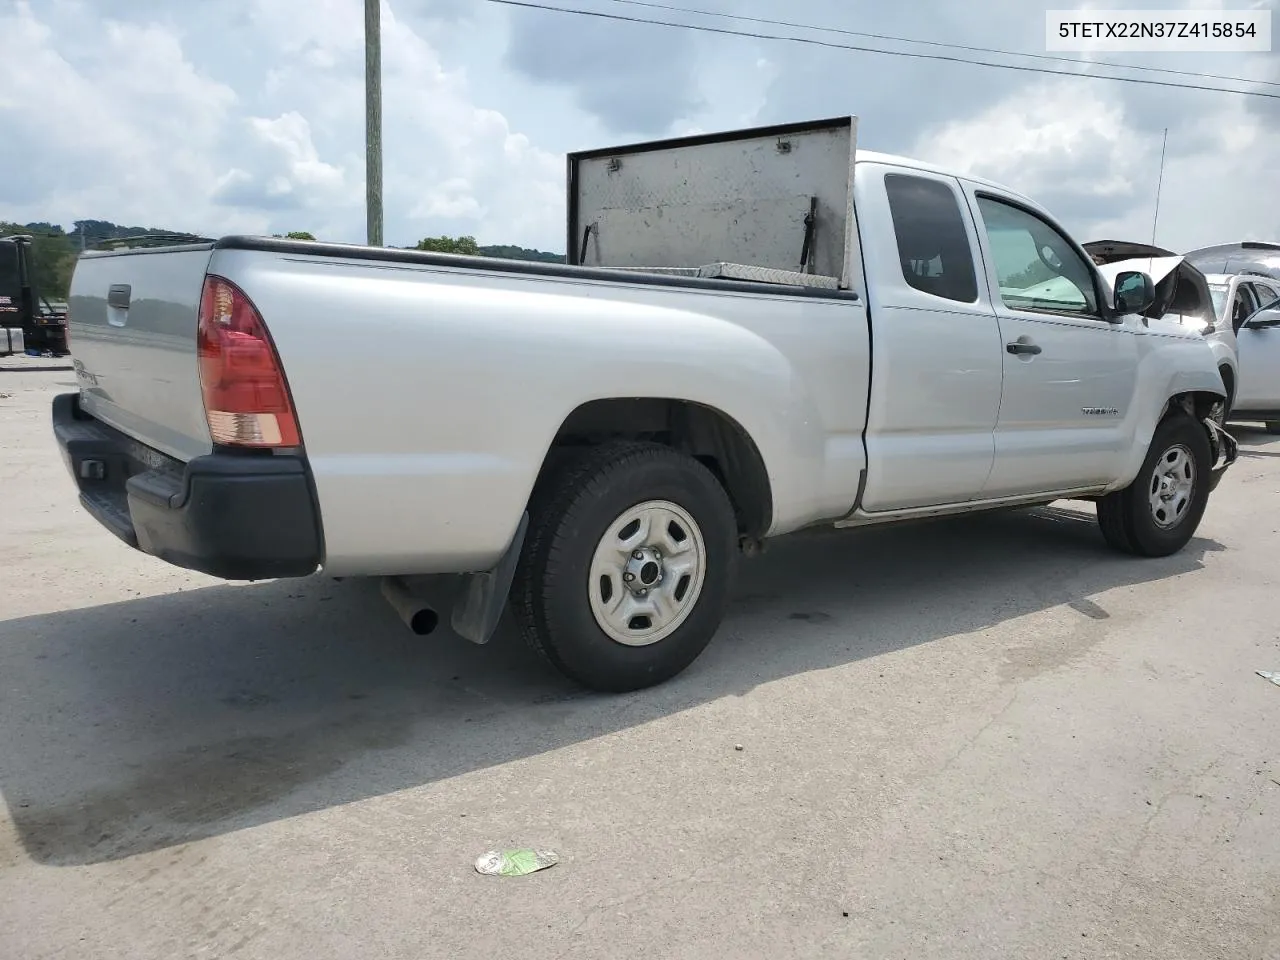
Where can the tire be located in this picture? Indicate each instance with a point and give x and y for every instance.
(569, 594)
(1272, 426)
(1143, 519)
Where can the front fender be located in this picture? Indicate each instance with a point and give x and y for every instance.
(1169, 367)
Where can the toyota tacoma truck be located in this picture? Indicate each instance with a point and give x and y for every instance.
(755, 332)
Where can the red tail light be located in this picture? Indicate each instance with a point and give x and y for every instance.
(246, 399)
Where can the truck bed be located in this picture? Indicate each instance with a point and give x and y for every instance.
(401, 365)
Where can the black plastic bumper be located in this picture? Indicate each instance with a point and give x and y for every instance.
(233, 516)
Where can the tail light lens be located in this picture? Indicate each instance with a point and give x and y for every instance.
(246, 398)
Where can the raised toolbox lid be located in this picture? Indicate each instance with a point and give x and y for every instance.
(774, 198)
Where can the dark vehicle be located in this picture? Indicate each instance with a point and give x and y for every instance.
(43, 326)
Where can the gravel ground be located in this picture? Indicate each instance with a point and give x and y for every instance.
(986, 737)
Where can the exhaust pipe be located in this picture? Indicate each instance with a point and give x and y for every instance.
(418, 615)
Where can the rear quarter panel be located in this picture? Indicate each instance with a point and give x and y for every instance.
(428, 396)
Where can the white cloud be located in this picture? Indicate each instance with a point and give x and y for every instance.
(1072, 143)
(1043, 137)
(248, 115)
(101, 133)
(143, 133)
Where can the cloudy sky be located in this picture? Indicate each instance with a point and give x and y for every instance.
(247, 115)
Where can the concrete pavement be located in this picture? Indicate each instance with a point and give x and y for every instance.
(985, 737)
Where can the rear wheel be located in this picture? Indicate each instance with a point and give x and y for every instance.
(1158, 513)
(626, 572)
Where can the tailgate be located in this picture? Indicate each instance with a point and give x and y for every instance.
(133, 343)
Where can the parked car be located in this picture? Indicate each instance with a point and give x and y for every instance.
(1182, 295)
(748, 340)
(1248, 311)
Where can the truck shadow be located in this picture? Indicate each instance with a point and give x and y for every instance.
(138, 725)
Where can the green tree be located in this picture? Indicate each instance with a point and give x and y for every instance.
(465, 245)
(62, 271)
(1036, 272)
(295, 235)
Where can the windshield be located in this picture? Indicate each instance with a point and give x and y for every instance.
(1219, 293)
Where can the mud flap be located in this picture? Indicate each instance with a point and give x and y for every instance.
(1225, 450)
(479, 606)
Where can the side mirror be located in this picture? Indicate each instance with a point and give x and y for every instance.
(1134, 292)
(1263, 319)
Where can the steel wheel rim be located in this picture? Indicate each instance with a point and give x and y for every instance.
(647, 573)
(1172, 486)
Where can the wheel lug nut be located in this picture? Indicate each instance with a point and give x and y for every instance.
(638, 555)
(643, 592)
(628, 577)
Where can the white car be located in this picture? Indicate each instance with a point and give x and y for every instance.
(1247, 314)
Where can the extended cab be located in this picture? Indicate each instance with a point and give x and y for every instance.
(757, 332)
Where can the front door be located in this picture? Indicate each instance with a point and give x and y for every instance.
(1069, 373)
(1258, 344)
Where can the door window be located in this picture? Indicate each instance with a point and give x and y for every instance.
(1036, 267)
(1243, 306)
(1266, 295)
(933, 247)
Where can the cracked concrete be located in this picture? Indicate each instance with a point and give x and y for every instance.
(980, 738)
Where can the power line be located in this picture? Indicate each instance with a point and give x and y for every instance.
(829, 44)
(937, 43)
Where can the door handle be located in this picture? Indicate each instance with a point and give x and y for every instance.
(1018, 347)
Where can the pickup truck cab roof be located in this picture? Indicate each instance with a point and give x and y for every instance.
(894, 160)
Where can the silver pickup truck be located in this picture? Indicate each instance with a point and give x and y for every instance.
(756, 332)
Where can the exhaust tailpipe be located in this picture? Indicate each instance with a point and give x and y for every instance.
(418, 615)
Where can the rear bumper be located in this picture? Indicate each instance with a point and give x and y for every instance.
(232, 516)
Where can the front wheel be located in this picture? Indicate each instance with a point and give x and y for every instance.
(626, 571)
(1158, 513)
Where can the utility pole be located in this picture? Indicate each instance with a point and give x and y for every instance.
(373, 120)
(1155, 219)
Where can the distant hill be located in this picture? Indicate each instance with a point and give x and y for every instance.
(56, 248)
(508, 252)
